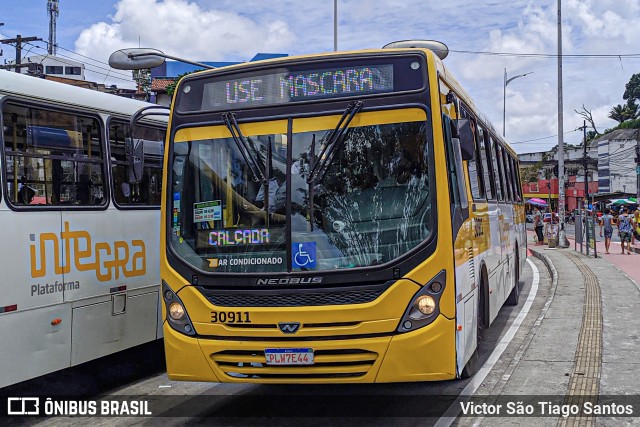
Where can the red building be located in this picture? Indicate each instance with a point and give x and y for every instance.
(547, 189)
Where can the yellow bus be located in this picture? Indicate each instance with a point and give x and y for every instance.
(339, 217)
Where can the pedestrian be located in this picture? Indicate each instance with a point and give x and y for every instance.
(635, 222)
(606, 224)
(625, 230)
(537, 226)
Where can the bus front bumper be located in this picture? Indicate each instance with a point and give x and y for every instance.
(427, 354)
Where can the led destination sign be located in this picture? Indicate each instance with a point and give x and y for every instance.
(277, 87)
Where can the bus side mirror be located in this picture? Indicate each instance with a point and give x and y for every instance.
(467, 139)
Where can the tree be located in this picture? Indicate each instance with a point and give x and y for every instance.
(632, 90)
(633, 108)
(586, 114)
(621, 113)
(171, 87)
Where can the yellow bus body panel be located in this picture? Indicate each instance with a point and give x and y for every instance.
(377, 353)
(427, 354)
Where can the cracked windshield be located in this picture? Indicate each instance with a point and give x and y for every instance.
(360, 199)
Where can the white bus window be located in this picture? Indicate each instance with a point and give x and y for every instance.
(52, 158)
(497, 171)
(489, 183)
(136, 162)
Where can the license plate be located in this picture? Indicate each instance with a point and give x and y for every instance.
(289, 356)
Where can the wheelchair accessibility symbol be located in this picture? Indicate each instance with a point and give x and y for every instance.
(304, 255)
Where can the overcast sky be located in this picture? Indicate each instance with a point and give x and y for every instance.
(483, 36)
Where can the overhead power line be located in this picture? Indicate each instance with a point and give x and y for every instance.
(549, 55)
(539, 139)
(109, 70)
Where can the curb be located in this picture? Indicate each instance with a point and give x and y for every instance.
(547, 262)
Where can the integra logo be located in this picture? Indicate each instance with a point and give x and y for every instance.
(290, 281)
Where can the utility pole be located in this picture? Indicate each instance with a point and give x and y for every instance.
(562, 238)
(585, 163)
(54, 11)
(18, 41)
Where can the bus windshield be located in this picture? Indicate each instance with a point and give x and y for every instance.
(372, 204)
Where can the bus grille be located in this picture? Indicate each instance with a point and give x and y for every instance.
(292, 298)
(351, 363)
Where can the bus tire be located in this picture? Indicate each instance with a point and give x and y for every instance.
(514, 296)
(517, 269)
(471, 367)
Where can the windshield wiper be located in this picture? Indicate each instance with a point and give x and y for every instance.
(333, 143)
(230, 122)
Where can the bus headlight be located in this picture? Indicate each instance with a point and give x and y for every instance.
(425, 305)
(177, 316)
(176, 311)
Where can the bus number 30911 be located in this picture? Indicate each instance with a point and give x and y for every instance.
(230, 317)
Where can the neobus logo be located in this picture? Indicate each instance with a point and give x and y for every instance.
(108, 261)
(290, 281)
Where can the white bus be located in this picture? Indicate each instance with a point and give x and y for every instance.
(79, 208)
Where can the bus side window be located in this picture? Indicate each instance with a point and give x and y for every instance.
(497, 172)
(516, 178)
(136, 164)
(501, 174)
(506, 173)
(474, 167)
(489, 183)
(457, 185)
(56, 154)
(512, 176)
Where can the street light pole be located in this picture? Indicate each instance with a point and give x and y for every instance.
(564, 243)
(335, 25)
(504, 97)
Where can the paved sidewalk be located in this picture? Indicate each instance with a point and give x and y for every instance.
(592, 328)
(629, 264)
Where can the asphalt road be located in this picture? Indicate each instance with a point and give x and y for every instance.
(185, 403)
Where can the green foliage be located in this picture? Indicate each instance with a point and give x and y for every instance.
(630, 124)
(172, 86)
(628, 115)
(622, 113)
(632, 89)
